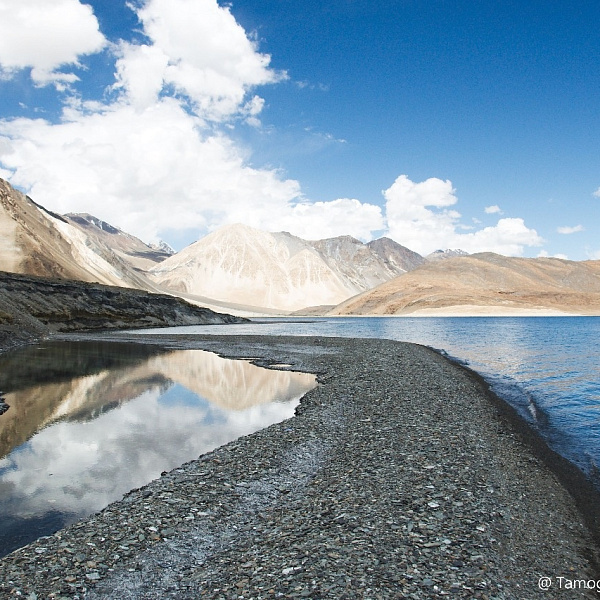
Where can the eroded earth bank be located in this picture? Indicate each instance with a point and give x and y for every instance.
(399, 477)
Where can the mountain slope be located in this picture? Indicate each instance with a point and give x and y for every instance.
(131, 249)
(487, 281)
(35, 241)
(398, 258)
(32, 243)
(243, 265)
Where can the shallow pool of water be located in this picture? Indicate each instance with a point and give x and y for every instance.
(90, 421)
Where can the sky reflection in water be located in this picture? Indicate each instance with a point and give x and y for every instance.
(70, 446)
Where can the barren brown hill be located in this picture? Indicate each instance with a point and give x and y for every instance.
(485, 283)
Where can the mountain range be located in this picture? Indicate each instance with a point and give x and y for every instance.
(246, 271)
(279, 271)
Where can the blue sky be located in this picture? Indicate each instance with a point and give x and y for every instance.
(439, 124)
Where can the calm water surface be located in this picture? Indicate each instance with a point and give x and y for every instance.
(90, 421)
(547, 367)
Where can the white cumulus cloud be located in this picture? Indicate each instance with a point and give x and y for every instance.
(418, 216)
(46, 36)
(156, 170)
(344, 216)
(159, 156)
(156, 159)
(597, 193)
(150, 161)
(411, 222)
(144, 171)
(570, 230)
(196, 48)
(509, 236)
(546, 254)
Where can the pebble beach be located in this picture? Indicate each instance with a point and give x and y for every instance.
(400, 476)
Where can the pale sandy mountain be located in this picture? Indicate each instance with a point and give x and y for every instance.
(35, 241)
(242, 265)
(485, 283)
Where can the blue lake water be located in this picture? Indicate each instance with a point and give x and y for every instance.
(548, 368)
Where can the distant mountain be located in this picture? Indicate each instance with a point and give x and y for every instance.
(131, 249)
(242, 265)
(245, 271)
(163, 247)
(395, 256)
(485, 283)
(354, 262)
(444, 254)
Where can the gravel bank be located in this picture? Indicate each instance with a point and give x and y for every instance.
(397, 478)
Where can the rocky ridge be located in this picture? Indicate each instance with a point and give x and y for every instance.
(396, 256)
(32, 307)
(35, 241)
(130, 249)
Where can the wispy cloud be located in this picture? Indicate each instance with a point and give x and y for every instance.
(597, 193)
(570, 230)
(312, 86)
(493, 210)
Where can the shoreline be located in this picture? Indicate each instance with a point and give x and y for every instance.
(573, 479)
(416, 472)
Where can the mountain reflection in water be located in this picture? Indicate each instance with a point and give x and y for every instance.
(80, 435)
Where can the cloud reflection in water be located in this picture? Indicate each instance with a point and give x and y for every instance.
(161, 412)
